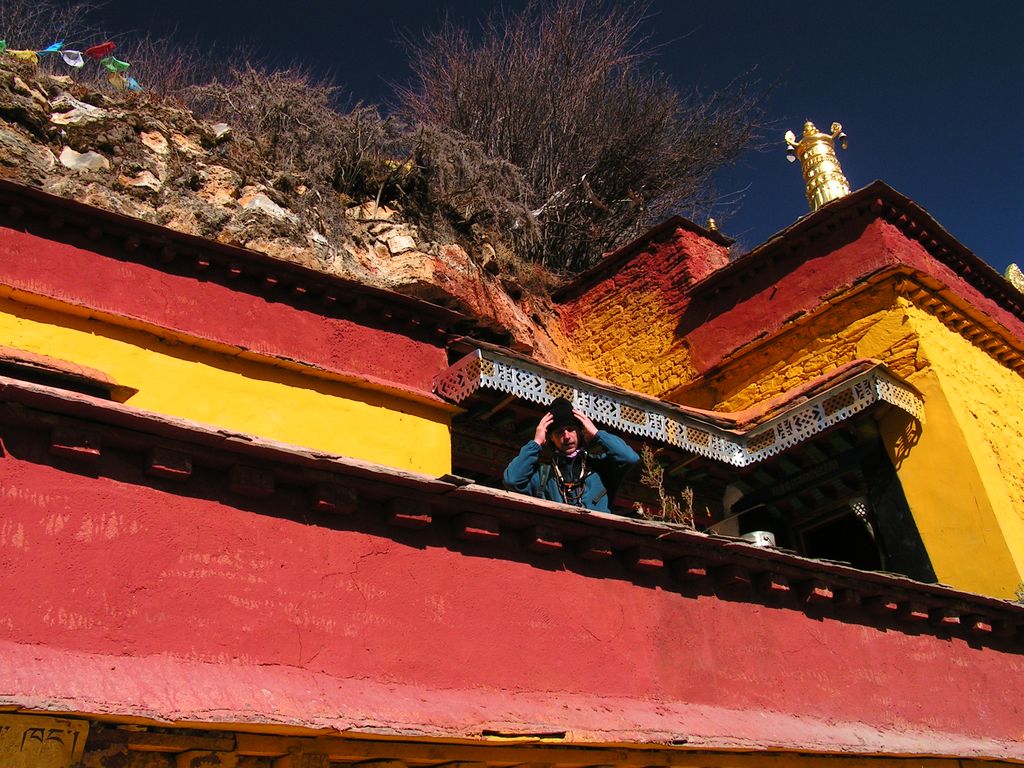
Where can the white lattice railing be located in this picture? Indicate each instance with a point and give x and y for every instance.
(663, 422)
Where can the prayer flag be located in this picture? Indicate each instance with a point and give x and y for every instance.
(100, 51)
(72, 58)
(52, 48)
(114, 65)
(3, 46)
(24, 55)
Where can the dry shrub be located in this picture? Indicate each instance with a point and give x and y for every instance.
(300, 129)
(441, 179)
(167, 68)
(565, 92)
(35, 24)
(672, 509)
(451, 177)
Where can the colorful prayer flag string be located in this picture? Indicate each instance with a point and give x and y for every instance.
(100, 53)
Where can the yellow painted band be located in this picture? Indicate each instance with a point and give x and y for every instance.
(242, 395)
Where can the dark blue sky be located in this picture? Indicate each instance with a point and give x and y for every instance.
(929, 91)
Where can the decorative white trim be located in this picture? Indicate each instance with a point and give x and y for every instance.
(666, 423)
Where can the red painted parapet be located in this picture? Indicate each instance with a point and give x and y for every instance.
(137, 274)
(684, 253)
(153, 568)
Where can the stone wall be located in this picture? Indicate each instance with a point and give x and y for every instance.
(162, 165)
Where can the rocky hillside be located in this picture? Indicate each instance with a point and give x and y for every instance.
(142, 158)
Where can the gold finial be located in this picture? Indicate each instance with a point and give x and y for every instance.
(1015, 277)
(822, 173)
(712, 225)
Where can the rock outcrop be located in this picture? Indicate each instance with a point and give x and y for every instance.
(144, 158)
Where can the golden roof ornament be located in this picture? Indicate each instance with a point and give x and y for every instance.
(1015, 277)
(817, 155)
(712, 225)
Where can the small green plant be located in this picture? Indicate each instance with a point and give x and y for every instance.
(673, 509)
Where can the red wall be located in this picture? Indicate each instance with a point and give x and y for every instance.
(124, 596)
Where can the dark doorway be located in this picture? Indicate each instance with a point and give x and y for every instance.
(843, 537)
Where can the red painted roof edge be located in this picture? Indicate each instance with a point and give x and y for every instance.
(11, 194)
(614, 260)
(162, 691)
(871, 200)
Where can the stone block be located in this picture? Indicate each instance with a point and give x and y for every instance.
(260, 202)
(155, 141)
(186, 145)
(85, 161)
(142, 180)
(70, 111)
(370, 211)
(400, 244)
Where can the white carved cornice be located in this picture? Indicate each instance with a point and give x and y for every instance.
(738, 444)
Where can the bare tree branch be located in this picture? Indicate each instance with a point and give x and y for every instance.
(566, 92)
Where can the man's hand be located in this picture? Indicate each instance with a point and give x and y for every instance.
(540, 435)
(589, 429)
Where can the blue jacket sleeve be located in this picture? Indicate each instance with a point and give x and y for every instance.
(522, 473)
(616, 459)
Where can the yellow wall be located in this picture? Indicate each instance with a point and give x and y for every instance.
(953, 509)
(627, 337)
(962, 472)
(870, 324)
(242, 395)
(986, 408)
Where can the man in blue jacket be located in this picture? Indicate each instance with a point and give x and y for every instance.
(586, 466)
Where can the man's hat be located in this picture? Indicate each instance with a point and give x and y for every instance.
(561, 409)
